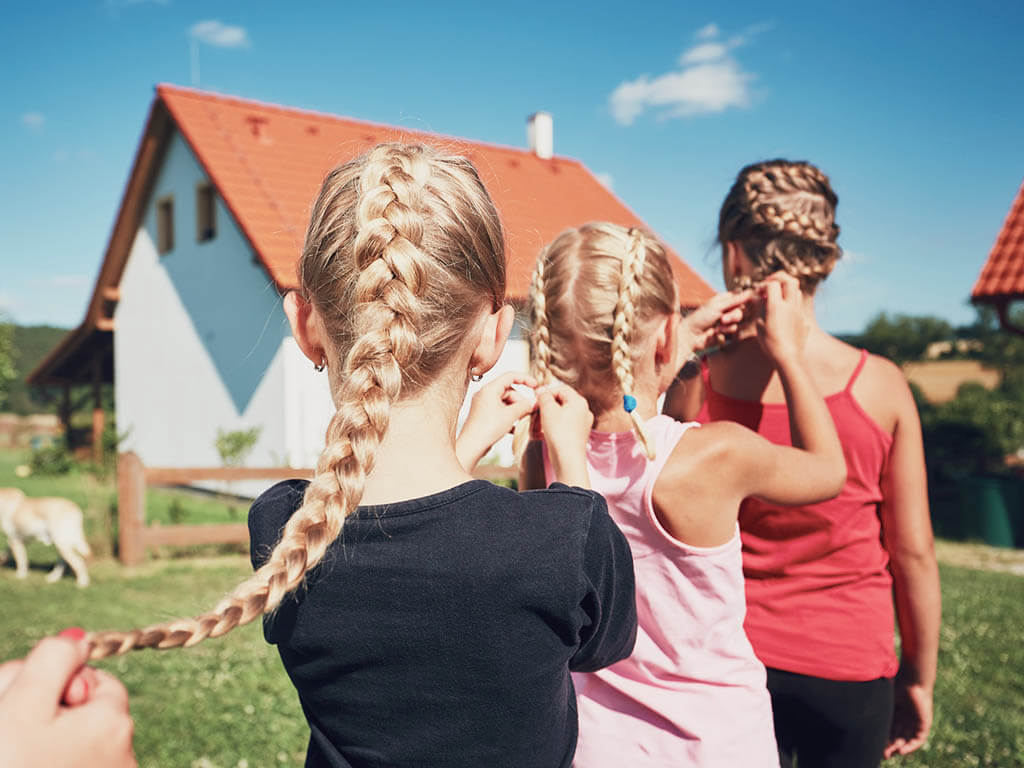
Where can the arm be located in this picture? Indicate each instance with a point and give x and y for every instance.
(493, 413)
(685, 395)
(907, 535)
(608, 608)
(565, 420)
(718, 318)
(814, 468)
(723, 463)
(531, 469)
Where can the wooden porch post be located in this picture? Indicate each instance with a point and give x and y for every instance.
(64, 413)
(131, 508)
(97, 412)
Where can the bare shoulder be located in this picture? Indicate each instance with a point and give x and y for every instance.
(700, 451)
(883, 392)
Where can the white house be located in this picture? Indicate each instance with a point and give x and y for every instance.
(185, 319)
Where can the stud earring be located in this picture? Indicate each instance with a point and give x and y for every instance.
(320, 368)
(474, 376)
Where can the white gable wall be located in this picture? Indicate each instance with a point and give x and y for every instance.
(201, 342)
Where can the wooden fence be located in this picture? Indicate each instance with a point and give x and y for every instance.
(133, 478)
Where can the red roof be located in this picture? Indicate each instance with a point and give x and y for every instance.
(1002, 277)
(267, 163)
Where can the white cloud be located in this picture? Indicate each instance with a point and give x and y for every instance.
(703, 52)
(709, 80)
(34, 121)
(213, 32)
(606, 179)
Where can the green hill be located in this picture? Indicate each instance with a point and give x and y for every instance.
(31, 344)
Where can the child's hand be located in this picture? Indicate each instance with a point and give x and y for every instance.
(566, 420)
(493, 413)
(782, 328)
(713, 322)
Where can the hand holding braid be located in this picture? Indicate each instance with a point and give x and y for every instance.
(385, 315)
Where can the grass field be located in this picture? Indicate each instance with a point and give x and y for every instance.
(228, 703)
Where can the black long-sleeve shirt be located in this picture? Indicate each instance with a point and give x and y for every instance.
(441, 631)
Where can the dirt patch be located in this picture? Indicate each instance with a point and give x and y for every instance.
(980, 556)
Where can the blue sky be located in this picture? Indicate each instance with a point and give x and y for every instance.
(914, 109)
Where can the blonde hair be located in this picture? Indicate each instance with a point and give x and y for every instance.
(594, 290)
(403, 251)
(782, 214)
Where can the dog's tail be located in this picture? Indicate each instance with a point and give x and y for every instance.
(81, 546)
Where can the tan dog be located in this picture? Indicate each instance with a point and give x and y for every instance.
(53, 521)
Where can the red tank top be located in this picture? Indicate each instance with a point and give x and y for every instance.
(819, 592)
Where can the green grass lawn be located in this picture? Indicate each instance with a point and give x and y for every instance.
(228, 703)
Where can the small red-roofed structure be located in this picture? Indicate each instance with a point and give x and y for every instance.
(185, 318)
(1001, 281)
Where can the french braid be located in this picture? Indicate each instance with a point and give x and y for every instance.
(540, 351)
(624, 326)
(782, 213)
(402, 244)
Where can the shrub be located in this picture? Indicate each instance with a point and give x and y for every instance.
(51, 459)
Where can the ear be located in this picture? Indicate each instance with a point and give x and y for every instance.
(496, 327)
(305, 323)
(665, 340)
(731, 265)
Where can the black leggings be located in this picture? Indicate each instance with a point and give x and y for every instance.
(823, 723)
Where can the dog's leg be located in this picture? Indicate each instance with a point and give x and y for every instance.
(57, 573)
(20, 556)
(75, 560)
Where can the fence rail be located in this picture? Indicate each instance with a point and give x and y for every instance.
(133, 478)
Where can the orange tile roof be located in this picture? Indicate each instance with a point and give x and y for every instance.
(267, 162)
(1002, 277)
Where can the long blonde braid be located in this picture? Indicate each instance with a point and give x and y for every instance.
(782, 213)
(623, 327)
(403, 248)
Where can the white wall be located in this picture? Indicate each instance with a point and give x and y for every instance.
(200, 336)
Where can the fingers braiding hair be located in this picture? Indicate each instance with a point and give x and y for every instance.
(397, 307)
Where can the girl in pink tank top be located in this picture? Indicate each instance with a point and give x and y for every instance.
(605, 321)
(821, 577)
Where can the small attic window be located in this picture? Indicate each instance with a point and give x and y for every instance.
(165, 225)
(206, 212)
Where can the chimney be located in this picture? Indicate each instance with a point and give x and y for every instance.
(540, 134)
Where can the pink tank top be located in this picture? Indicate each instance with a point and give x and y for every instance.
(819, 592)
(693, 692)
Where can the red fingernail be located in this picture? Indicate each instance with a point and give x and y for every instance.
(72, 633)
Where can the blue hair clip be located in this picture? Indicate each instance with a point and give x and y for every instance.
(629, 403)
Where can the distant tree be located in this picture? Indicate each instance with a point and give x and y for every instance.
(999, 348)
(902, 337)
(7, 352)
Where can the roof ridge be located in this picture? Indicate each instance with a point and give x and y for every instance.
(196, 93)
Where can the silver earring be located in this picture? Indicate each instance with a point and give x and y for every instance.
(320, 368)
(474, 376)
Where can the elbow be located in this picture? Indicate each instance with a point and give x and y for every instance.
(836, 473)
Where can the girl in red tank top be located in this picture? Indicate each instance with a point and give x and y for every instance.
(820, 578)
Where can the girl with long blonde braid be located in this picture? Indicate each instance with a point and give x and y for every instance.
(606, 308)
(425, 618)
(821, 578)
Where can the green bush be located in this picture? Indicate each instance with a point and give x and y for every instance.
(52, 459)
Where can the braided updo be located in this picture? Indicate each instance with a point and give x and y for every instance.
(403, 251)
(782, 214)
